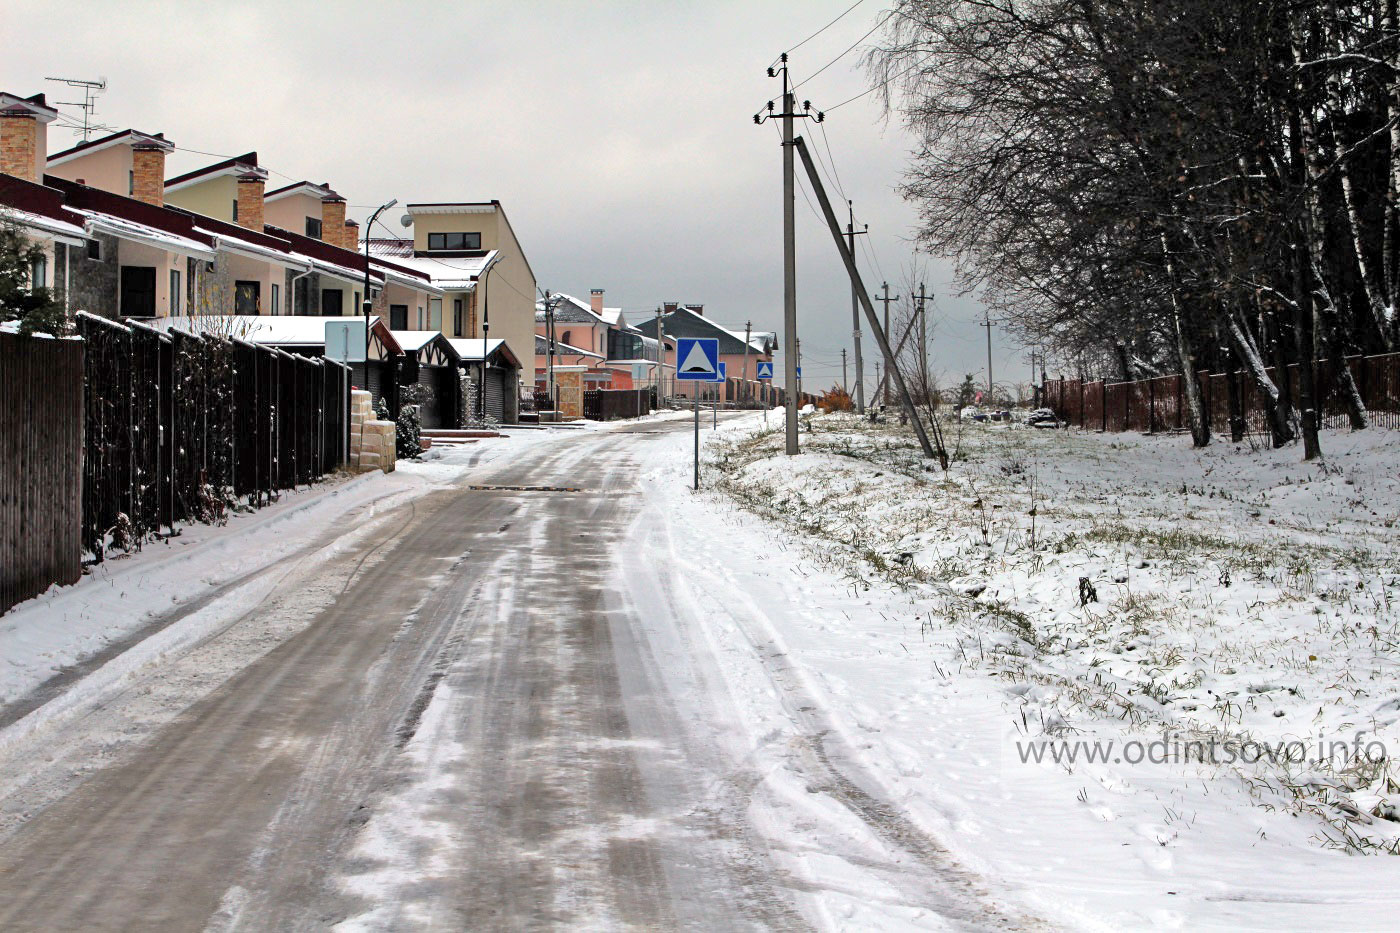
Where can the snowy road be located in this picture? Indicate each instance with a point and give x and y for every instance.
(496, 706)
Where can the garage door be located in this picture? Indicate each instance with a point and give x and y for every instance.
(496, 394)
(430, 409)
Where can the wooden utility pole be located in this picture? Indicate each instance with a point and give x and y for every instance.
(851, 234)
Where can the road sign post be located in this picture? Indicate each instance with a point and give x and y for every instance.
(697, 360)
(765, 374)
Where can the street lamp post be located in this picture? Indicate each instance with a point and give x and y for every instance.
(368, 302)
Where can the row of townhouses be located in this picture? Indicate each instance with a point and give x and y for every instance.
(217, 247)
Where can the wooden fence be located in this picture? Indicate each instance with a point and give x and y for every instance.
(41, 451)
(1152, 405)
(607, 404)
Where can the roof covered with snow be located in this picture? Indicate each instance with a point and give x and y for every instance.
(475, 349)
(453, 272)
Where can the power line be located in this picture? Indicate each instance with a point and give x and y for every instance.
(876, 87)
(884, 19)
(823, 29)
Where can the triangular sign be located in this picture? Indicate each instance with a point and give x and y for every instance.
(697, 361)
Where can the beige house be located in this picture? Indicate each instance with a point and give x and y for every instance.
(472, 255)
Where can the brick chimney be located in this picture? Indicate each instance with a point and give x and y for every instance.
(350, 235)
(698, 309)
(669, 307)
(250, 201)
(148, 174)
(595, 300)
(19, 135)
(332, 219)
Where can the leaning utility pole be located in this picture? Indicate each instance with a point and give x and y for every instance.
(885, 383)
(854, 273)
(789, 245)
(988, 323)
(851, 234)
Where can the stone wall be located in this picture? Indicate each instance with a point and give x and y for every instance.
(371, 442)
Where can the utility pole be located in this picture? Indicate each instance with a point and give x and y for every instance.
(923, 340)
(660, 356)
(549, 339)
(885, 383)
(789, 243)
(845, 387)
(744, 379)
(851, 234)
(988, 323)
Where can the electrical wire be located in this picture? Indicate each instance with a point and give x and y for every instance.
(820, 31)
(884, 19)
(876, 87)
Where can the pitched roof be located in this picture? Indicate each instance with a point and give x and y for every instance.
(35, 105)
(238, 165)
(122, 137)
(274, 330)
(683, 322)
(475, 349)
(309, 188)
(561, 348)
(453, 273)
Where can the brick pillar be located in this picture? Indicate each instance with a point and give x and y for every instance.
(148, 170)
(333, 220)
(250, 202)
(19, 131)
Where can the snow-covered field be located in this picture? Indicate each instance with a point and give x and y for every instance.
(1218, 628)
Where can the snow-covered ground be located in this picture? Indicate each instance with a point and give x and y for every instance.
(1111, 595)
(68, 624)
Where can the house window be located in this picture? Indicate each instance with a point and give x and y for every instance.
(357, 308)
(235, 210)
(331, 299)
(566, 338)
(457, 317)
(276, 298)
(420, 317)
(398, 317)
(313, 227)
(174, 292)
(454, 241)
(39, 272)
(434, 314)
(94, 250)
(247, 297)
(130, 182)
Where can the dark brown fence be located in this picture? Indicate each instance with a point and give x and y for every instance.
(607, 404)
(41, 464)
(1152, 405)
(183, 427)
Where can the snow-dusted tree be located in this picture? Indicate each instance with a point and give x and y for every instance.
(36, 309)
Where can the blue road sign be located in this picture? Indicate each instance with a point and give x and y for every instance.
(799, 372)
(699, 359)
(765, 370)
(723, 373)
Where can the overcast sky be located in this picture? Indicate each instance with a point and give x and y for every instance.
(618, 136)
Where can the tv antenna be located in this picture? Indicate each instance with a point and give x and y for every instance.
(90, 91)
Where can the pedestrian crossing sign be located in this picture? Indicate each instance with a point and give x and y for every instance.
(765, 370)
(699, 359)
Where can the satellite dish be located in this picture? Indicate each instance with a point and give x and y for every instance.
(406, 220)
